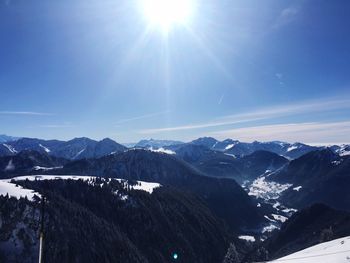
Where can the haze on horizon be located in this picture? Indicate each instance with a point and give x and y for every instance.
(131, 69)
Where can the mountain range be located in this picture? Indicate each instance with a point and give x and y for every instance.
(80, 148)
(269, 192)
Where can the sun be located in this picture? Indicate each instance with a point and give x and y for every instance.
(167, 13)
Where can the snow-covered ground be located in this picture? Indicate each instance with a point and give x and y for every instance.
(36, 168)
(16, 191)
(279, 218)
(45, 148)
(162, 150)
(335, 251)
(144, 186)
(247, 238)
(228, 147)
(297, 188)
(269, 228)
(8, 186)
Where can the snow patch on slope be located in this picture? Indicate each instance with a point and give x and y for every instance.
(279, 218)
(45, 148)
(37, 168)
(162, 150)
(335, 251)
(8, 186)
(291, 148)
(297, 188)
(247, 238)
(10, 166)
(228, 147)
(10, 148)
(16, 191)
(80, 152)
(269, 228)
(144, 186)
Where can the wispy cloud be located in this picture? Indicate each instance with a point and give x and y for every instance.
(146, 116)
(33, 113)
(286, 16)
(56, 126)
(221, 98)
(196, 126)
(279, 76)
(262, 114)
(310, 132)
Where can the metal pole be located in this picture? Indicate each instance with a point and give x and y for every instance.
(41, 243)
(41, 248)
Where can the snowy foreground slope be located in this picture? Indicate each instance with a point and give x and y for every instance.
(8, 186)
(335, 251)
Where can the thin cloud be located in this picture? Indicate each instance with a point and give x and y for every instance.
(196, 126)
(293, 109)
(261, 114)
(55, 126)
(279, 75)
(32, 113)
(146, 116)
(310, 132)
(221, 98)
(286, 16)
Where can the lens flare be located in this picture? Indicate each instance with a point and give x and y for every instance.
(167, 13)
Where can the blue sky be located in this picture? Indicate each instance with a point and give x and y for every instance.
(248, 70)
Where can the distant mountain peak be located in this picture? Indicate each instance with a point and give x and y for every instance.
(205, 141)
(6, 138)
(155, 144)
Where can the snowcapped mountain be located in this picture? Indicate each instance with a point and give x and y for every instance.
(80, 148)
(225, 145)
(155, 144)
(237, 148)
(205, 141)
(77, 148)
(291, 151)
(39, 145)
(342, 150)
(319, 176)
(5, 138)
(6, 149)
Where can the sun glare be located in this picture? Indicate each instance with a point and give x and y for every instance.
(167, 13)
